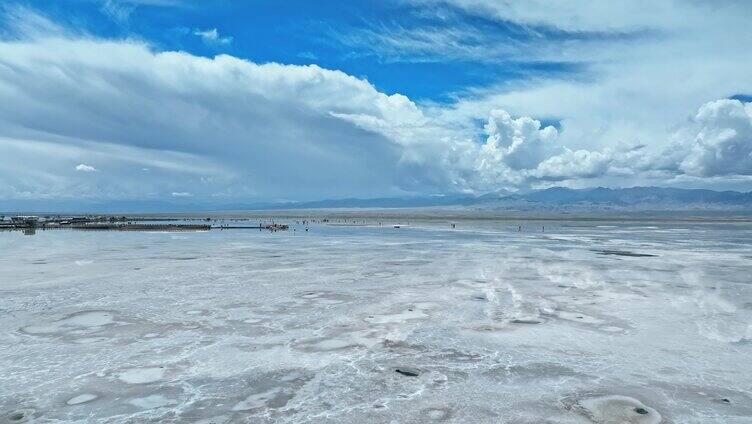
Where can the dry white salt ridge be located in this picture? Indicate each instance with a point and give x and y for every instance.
(617, 409)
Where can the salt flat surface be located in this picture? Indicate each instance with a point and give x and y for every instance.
(604, 322)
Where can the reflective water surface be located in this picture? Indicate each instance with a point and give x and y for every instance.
(605, 322)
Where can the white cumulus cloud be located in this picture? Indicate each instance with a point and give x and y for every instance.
(231, 129)
(519, 143)
(85, 168)
(720, 142)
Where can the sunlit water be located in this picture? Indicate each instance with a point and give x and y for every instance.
(585, 322)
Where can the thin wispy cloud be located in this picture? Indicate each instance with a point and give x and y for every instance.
(20, 22)
(118, 11)
(307, 55)
(85, 168)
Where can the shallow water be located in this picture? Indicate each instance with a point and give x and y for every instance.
(482, 323)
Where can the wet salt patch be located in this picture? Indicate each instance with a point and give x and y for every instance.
(621, 297)
(82, 398)
(75, 324)
(490, 328)
(438, 413)
(322, 297)
(142, 375)
(611, 252)
(341, 340)
(330, 301)
(619, 410)
(333, 344)
(728, 331)
(40, 329)
(219, 419)
(533, 371)
(82, 331)
(88, 340)
(255, 401)
(150, 402)
(396, 318)
(528, 321)
(578, 317)
(382, 274)
(718, 319)
(407, 371)
(20, 416)
(241, 314)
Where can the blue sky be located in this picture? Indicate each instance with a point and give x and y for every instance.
(327, 33)
(225, 102)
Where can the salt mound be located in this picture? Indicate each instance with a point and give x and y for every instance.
(619, 410)
(88, 319)
(83, 398)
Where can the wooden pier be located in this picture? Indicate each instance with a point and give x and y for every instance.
(271, 227)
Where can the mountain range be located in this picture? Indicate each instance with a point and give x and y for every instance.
(556, 198)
